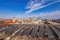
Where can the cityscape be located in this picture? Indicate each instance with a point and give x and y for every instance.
(29, 19)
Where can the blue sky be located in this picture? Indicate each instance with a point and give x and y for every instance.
(27, 8)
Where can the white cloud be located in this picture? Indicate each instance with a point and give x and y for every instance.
(53, 15)
(35, 5)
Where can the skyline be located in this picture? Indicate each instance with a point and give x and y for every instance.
(29, 8)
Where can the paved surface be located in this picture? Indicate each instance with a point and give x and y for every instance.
(35, 31)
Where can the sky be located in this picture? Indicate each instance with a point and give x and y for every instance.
(30, 8)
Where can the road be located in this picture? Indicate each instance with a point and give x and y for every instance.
(35, 31)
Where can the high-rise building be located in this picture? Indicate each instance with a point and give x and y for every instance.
(14, 19)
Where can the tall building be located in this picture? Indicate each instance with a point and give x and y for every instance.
(14, 19)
